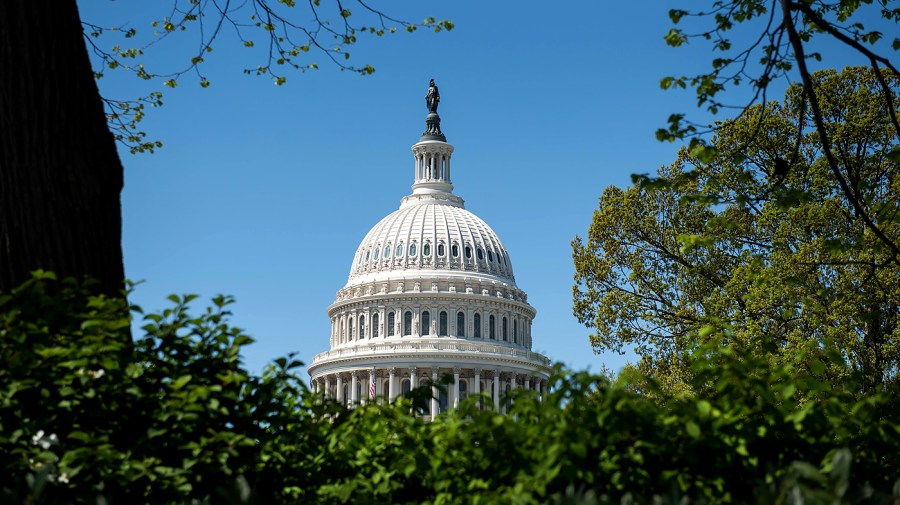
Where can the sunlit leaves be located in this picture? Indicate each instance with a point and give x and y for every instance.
(675, 37)
(289, 38)
(747, 235)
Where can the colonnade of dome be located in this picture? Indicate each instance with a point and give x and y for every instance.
(352, 387)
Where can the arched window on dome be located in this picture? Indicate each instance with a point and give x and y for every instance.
(492, 327)
(399, 250)
(468, 253)
(390, 324)
(442, 324)
(412, 249)
(342, 337)
(490, 256)
(426, 250)
(454, 251)
(377, 250)
(367, 255)
(441, 250)
(515, 331)
(479, 252)
(375, 325)
(407, 323)
(387, 252)
(460, 324)
(349, 329)
(505, 329)
(362, 327)
(425, 328)
(476, 321)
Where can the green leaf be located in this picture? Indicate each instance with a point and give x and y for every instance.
(180, 382)
(692, 429)
(894, 155)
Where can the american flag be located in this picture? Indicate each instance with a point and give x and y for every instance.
(372, 386)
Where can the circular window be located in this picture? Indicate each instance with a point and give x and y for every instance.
(440, 249)
(412, 249)
(454, 250)
(468, 252)
(400, 250)
(376, 254)
(480, 254)
(490, 256)
(387, 252)
(426, 250)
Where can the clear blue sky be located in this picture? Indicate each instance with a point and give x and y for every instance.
(264, 192)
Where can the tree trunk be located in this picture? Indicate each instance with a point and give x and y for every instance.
(60, 173)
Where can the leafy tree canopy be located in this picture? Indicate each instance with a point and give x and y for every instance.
(769, 251)
(757, 42)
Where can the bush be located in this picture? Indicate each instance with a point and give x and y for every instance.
(89, 416)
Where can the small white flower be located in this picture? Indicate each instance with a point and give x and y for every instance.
(64, 478)
(44, 442)
(96, 374)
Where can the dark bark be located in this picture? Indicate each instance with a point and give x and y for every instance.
(60, 173)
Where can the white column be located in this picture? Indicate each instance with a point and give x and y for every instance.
(434, 392)
(392, 388)
(354, 387)
(476, 388)
(527, 382)
(327, 388)
(496, 386)
(339, 392)
(456, 387)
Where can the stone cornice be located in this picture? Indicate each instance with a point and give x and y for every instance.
(464, 299)
(422, 350)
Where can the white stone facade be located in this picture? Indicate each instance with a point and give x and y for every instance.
(431, 292)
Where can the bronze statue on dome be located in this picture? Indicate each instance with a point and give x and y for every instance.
(432, 97)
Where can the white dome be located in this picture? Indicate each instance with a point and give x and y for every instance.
(431, 232)
(431, 292)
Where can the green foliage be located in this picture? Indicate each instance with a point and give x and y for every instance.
(174, 418)
(775, 41)
(753, 237)
(170, 417)
(758, 42)
(287, 35)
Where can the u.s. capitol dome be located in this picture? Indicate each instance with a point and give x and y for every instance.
(431, 292)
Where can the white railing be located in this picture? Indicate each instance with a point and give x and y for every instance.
(429, 346)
